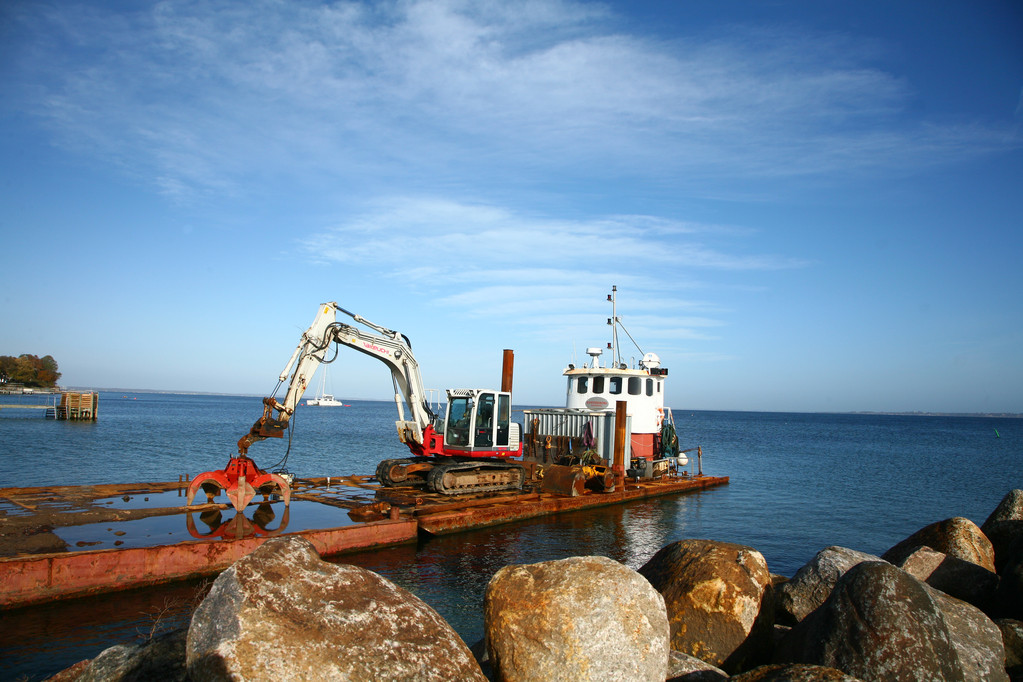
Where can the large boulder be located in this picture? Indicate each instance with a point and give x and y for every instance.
(960, 579)
(794, 672)
(160, 658)
(581, 618)
(282, 613)
(958, 537)
(812, 583)
(719, 599)
(879, 623)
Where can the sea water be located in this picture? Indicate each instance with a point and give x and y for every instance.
(798, 483)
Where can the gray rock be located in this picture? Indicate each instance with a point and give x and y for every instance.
(1005, 525)
(581, 618)
(879, 623)
(282, 613)
(958, 537)
(719, 598)
(1009, 509)
(794, 672)
(161, 658)
(685, 668)
(976, 638)
(957, 578)
(812, 583)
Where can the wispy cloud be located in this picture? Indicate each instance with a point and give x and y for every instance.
(205, 97)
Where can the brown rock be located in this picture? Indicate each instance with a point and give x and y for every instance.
(719, 601)
(282, 613)
(582, 618)
(957, 578)
(958, 537)
(879, 623)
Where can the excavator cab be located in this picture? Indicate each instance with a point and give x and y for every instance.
(477, 420)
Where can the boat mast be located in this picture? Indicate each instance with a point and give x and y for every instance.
(613, 321)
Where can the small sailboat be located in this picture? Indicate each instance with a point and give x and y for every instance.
(324, 399)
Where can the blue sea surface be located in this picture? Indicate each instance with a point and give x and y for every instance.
(798, 483)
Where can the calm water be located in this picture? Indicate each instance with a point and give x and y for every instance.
(799, 482)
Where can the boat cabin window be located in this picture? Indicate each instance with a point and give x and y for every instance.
(649, 386)
(503, 419)
(615, 385)
(635, 385)
(581, 385)
(598, 385)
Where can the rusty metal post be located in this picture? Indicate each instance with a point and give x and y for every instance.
(507, 370)
(699, 458)
(619, 450)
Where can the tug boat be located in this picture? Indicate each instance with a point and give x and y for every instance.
(592, 394)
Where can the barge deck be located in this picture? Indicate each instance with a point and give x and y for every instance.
(70, 541)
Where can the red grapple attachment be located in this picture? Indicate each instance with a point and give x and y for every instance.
(241, 480)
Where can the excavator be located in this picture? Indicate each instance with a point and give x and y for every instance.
(468, 450)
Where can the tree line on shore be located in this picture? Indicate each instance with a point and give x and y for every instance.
(29, 370)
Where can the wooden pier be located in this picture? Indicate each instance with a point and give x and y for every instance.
(72, 405)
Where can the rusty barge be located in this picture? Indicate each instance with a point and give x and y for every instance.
(72, 541)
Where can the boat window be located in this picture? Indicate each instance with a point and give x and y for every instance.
(503, 419)
(598, 384)
(649, 386)
(615, 385)
(635, 385)
(581, 385)
(658, 386)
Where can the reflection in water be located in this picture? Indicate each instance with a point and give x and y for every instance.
(238, 526)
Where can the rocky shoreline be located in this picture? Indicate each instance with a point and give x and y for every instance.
(946, 603)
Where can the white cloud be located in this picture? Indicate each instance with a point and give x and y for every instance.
(215, 96)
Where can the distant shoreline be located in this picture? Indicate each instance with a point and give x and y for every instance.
(992, 415)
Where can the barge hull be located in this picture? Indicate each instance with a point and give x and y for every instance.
(49, 577)
(546, 504)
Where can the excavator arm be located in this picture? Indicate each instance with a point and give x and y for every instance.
(390, 347)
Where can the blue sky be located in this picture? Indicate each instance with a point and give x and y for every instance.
(805, 206)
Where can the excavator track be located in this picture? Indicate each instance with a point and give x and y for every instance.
(475, 476)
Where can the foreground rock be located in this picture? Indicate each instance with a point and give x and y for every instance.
(719, 601)
(161, 658)
(582, 618)
(957, 537)
(881, 623)
(282, 613)
(812, 584)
